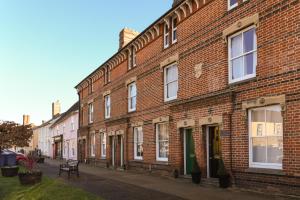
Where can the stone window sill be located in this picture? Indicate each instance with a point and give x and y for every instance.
(265, 171)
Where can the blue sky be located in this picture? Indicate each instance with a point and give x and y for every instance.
(47, 47)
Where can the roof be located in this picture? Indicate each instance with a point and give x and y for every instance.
(131, 42)
(48, 122)
(73, 108)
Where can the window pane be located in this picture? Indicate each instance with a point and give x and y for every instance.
(273, 123)
(237, 68)
(163, 132)
(236, 46)
(258, 116)
(174, 35)
(249, 40)
(259, 150)
(250, 63)
(275, 150)
(172, 89)
(163, 149)
(133, 103)
(166, 40)
(139, 150)
(172, 74)
(174, 22)
(232, 2)
(132, 90)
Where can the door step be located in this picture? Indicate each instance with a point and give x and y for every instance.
(210, 182)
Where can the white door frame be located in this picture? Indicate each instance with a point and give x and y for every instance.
(207, 147)
(207, 152)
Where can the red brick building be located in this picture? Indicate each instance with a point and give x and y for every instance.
(209, 80)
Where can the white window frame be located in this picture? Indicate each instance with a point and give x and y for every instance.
(234, 5)
(135, 142)
(243, 55)
(107, 106)
(133, 56)
(166, 84)
(166, 36)
(129, 59)
(130, 108)
(158, 158)
(174, 29)
(106, 75)
(91, 113)
(93, 144)
(258, 164)
(103, 153)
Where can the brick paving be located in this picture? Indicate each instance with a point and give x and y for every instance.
(124, 185)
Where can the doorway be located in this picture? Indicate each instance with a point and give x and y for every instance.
(82, 149)
(120, 139)
(189, 151)
(213, 141)
(112, 150)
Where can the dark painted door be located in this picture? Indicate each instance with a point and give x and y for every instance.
(214, 151)
(190, 151)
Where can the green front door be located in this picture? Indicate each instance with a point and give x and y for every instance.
(189, 151)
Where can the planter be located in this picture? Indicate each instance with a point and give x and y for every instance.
(224, 181)
(9, 171)
(30, 178)
(196, 177)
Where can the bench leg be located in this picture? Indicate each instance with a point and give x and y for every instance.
(59, 172)
(69, 174)
(77, 173)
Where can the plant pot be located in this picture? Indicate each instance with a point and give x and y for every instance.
(9, 171)
(30, 178)
(196, 177)
(224, 181)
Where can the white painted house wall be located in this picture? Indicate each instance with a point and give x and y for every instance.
(45, 139)
(68, 127)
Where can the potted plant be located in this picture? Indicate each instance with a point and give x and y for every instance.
(29, 174)
(224, 177)
(196, 172)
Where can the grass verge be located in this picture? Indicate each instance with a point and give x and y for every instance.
(48, 189)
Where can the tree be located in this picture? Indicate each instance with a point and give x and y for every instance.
(13, 134)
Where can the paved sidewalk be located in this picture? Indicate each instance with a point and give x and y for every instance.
(125, 185)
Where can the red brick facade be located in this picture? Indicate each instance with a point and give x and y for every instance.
(205, 97)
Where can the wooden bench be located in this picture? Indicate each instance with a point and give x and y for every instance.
(70, 167)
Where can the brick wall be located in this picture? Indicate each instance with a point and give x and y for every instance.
(200, 42)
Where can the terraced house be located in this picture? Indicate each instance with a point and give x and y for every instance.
(209, 80)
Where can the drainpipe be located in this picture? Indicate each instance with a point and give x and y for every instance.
(230, 126)
(79, 126)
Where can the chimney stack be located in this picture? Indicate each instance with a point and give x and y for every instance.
(176, 2)
(127, 35)
(55, 108)
(26, 120)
